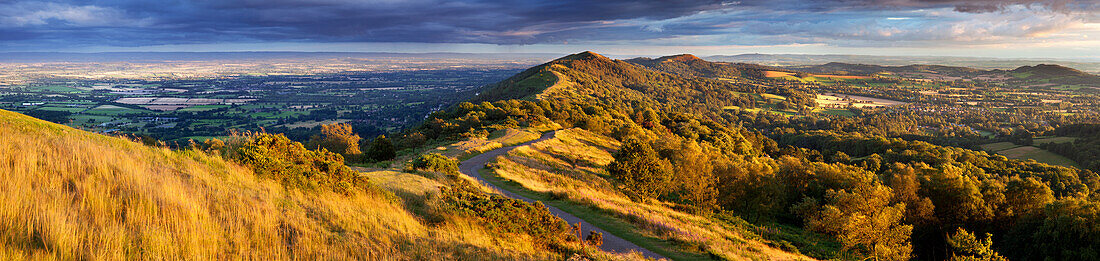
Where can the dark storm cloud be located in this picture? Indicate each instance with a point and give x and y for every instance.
(142, 22)
(339, 20)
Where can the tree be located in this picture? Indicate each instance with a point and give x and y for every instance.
(967, 247)
(381, 149)
(862, 220)
(637, 167)
(695, 177)
(338, 138)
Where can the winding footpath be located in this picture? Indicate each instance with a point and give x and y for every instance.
(611, 243)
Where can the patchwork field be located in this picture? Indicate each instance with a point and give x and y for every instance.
(835, 100)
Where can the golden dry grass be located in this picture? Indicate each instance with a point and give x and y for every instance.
(841, 76)
(498, 139)
(777, 74)
(68, 194)
(571, 166)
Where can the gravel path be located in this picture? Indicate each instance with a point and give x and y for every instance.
(611, 242)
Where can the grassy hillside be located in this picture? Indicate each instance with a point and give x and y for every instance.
(571, 167)
(70, 194)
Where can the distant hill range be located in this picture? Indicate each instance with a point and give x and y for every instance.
(972, 62)
(690, 65)
(1037, 76)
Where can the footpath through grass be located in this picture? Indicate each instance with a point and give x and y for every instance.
(597, 218)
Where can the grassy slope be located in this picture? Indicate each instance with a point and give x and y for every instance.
(70, 194)
(567, 172)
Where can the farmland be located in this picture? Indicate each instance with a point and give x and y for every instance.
(1014, 151)
(176, 109)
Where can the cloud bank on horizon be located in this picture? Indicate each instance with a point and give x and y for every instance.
(1005, 24)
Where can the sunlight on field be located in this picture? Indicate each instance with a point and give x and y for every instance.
(834, 100)
(777, 74)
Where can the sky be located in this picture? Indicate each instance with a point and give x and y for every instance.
(986, 28)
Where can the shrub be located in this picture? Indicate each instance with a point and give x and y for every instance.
(501, 213)
(276, 157)
(435, 162)
(594, 238)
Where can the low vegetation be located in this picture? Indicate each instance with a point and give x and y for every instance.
(70, 194)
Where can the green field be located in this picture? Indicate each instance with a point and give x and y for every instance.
(1013, 151)
(837, 112)
(113, 110)
(995, 147)
(65, 109)
(1044, 140)
(1037, 154)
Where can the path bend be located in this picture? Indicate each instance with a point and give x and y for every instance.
(611, 242)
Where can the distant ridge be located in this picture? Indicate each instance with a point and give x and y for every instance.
(985, 63)
(1051, 70)
(693, 66)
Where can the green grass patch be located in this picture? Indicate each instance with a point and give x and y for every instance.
(838, 112)
(65, 109)
(999, 146)
(1037, 154)
(1044, 140)
(113, 110)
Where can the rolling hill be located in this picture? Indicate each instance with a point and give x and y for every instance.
(74, 195)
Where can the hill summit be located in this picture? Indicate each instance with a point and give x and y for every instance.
(680, 58)
(586, 55)
(1050, 70)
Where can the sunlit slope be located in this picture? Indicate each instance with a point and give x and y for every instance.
(571, 167)
(589, 77)
(69, 194)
